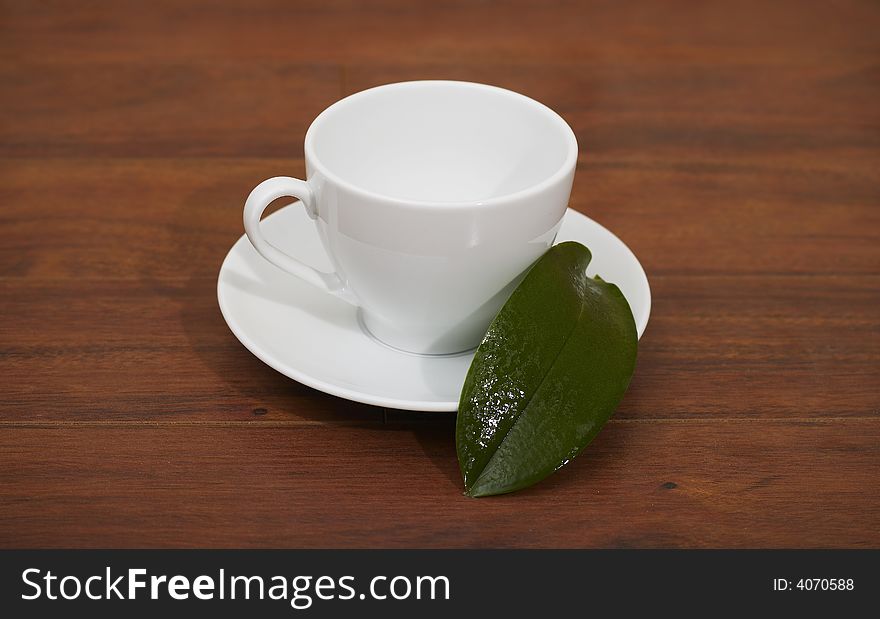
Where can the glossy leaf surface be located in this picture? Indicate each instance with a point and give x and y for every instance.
(549, 373)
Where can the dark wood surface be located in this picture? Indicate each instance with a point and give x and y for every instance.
(735, 146)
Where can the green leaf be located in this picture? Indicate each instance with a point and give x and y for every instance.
(552, 368)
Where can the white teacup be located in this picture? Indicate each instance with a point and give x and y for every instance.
(432, 199)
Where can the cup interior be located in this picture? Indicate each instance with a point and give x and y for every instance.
(441, 142)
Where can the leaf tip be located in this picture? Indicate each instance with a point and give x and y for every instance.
(481, 488)
(470, 489)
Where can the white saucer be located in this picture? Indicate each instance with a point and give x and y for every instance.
(316, 338)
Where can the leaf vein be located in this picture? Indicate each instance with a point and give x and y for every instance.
(532, 395)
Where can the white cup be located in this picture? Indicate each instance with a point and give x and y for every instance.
(432, 199)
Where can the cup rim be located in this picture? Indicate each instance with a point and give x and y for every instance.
(564, 169)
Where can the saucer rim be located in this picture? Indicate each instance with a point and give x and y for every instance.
(366, 398)
(315, 383)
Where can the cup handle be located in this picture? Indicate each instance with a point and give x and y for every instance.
(256, 203)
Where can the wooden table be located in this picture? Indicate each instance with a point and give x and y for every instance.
(735, 146)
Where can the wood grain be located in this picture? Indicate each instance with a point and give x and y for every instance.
(667, 484)
(716, 347)
(735, 147)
